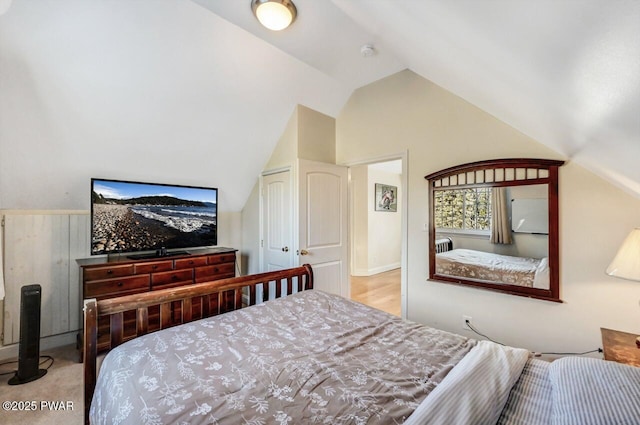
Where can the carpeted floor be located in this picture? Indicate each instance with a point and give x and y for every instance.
(58, 395)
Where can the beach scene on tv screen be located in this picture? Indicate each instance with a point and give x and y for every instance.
(129, 217)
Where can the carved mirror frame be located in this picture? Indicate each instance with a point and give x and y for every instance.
(501, 173)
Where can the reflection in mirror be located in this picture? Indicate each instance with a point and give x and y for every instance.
(516, 254)
(494, 226)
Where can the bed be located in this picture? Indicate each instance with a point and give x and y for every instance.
(312, 357)
(495, 268)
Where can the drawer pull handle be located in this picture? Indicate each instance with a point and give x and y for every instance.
(120, 284)
(216, 270)
(191, 262)
(174, 277)
(109, 271)
(155, 267)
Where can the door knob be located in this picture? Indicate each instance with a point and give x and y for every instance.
(285, 249)
(304, 252)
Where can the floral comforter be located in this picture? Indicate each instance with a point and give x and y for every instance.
(310, 357)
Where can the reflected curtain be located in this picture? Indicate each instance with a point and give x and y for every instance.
(500, 228)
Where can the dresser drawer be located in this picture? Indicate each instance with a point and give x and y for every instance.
(221, 271)
(115, 287)
(171, 278)
(184, 263)
(229, 257)
(107, 272)
(152, 267)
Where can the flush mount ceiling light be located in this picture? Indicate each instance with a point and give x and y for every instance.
(274, 14)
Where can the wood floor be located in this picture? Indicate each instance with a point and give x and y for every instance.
(381, 291)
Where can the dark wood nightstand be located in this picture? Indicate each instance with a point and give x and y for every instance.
(620, 347)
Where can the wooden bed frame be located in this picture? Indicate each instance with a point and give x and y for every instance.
(208, 299)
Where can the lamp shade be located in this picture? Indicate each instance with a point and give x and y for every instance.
(275, 15)
(626, 264)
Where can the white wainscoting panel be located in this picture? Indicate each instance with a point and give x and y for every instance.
(41, 248)
(79, 247)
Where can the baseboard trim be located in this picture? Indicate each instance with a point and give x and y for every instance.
(376, 270)
(46, 343)
(360, 272)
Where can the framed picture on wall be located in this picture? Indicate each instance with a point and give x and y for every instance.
(386, 198)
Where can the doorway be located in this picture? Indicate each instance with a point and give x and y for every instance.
(377, 236)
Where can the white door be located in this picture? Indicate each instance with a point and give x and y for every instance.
(277, 221)
(323, 230)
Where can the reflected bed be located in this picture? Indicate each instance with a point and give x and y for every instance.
(495, 268)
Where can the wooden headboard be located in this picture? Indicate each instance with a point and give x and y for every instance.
(177, 306)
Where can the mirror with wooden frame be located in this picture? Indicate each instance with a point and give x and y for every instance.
(494, 225)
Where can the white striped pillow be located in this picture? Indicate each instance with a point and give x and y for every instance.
(590, 391)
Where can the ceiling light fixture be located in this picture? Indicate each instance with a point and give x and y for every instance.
(275, 15)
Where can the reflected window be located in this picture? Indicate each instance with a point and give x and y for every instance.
(463, 209)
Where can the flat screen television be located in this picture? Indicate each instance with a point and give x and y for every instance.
(134, 216)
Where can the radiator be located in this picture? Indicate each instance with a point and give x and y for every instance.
(444, 245)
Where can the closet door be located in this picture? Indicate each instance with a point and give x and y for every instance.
(277, 221)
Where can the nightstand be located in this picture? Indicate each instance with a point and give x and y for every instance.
(620, 347)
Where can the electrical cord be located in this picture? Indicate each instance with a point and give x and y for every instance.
(468, 323)
(537, 354)
(597, 350)
(46, 359)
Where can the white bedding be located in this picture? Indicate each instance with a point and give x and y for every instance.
(530, 400)
(487, 266)
(476, 390)
(499, 385)
(587, 391)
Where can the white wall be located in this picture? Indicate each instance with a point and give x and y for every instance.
(316, 136)
(250, 252)
(384, 227)
(86, 91)
(92, 89)
(359, 224)
(438, 129)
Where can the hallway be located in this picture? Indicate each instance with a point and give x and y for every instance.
(381, 291)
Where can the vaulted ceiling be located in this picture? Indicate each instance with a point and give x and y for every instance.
(203, 72)
(564, 72)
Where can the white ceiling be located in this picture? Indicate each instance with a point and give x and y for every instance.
(564, 72)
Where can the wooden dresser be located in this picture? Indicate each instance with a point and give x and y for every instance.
(108, 279)
(620, 347)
